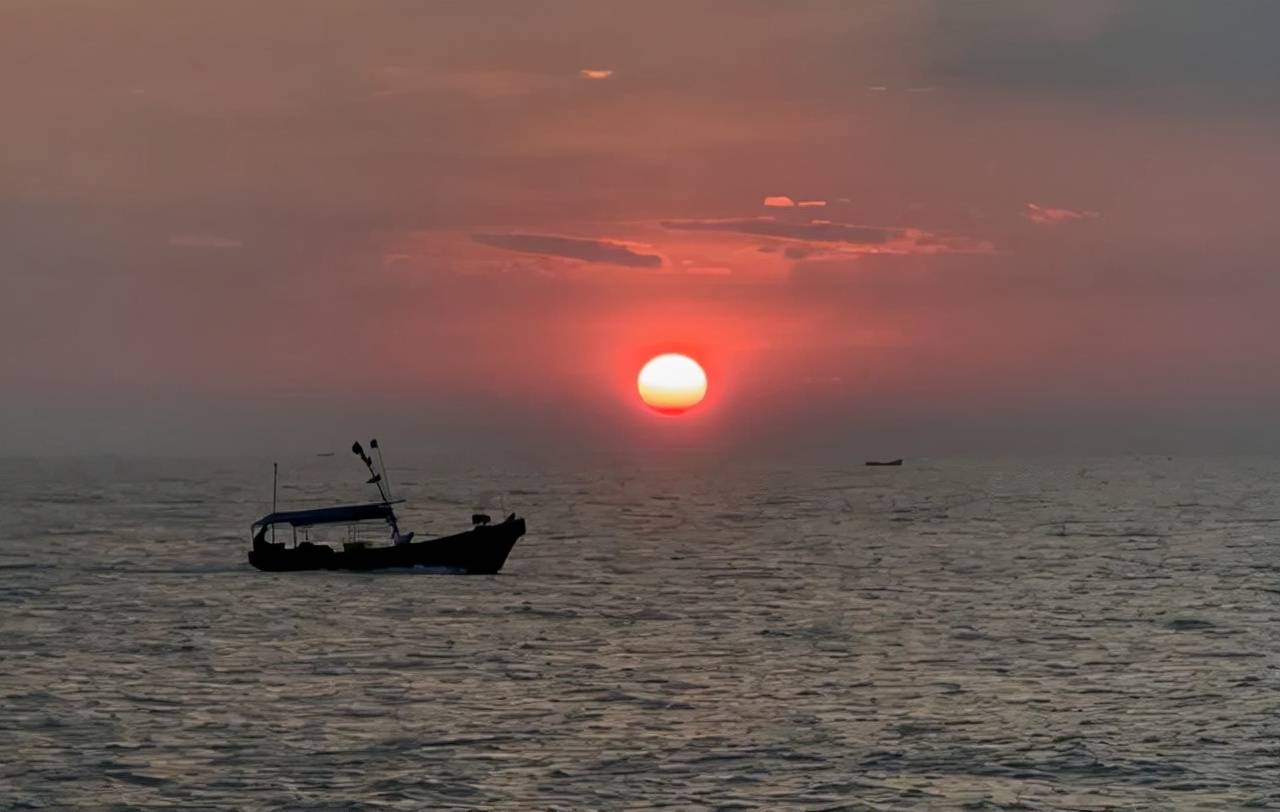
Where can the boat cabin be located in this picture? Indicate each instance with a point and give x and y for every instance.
(354, 517)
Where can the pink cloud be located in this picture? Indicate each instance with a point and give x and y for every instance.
(1045, 216)
(595, 73)
(809, 204)
(779, 202)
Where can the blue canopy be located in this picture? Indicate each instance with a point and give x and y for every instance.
(342, 514)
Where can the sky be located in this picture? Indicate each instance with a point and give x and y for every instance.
(883, 227)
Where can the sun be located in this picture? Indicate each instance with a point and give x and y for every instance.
(672, 383)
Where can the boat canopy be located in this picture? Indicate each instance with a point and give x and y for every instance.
(342, 514)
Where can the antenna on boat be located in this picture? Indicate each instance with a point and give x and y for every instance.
(374, 477)
(381, 465)
(275, 475)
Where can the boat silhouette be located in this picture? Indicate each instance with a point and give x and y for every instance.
(889, 462)
(481, 550)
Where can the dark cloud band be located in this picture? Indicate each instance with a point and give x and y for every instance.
(601, 251)
(809, 232)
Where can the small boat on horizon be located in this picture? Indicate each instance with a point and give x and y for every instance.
(889, 462)
(481, 550)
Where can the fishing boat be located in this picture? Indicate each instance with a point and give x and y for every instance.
(481, 550)
(884, 462)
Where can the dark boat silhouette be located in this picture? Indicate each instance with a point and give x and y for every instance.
(889, 462)
(481, 550)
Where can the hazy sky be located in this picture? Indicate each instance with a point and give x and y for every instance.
(916, 226)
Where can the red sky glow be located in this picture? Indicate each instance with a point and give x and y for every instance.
(918, 226)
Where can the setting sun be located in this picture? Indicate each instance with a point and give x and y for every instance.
(672, 383)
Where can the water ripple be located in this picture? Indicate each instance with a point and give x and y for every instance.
(946, 635)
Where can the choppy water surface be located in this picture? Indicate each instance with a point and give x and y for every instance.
(1092, 635)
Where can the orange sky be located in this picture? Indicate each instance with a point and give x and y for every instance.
(915, 224)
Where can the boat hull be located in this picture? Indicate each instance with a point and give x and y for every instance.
(479, 551)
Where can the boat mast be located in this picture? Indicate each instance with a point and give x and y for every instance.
(374, 477)
(275, 475)
(381, 465)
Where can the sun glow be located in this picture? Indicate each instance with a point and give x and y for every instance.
(672, 383)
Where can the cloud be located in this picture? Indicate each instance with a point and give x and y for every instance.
(809, 204)
(1045, 216)
(601, 251)
(833, 238)
(595, 73)
(927, 242)
(779, 202)
(204, 241)
(800, 251)
(768, 227)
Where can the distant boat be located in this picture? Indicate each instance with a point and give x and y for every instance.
(481, 550)
(325, 454)
(890, 462)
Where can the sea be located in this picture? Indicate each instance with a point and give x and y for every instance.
(1080, 634)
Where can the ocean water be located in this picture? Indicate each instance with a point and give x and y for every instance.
(953, 634)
